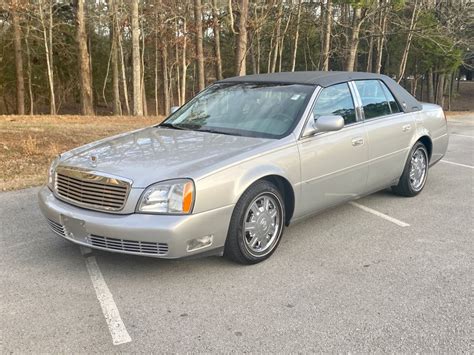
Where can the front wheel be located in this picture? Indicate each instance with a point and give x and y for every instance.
(257, 224)
(415, 173)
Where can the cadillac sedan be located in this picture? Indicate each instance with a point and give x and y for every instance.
(228, 171)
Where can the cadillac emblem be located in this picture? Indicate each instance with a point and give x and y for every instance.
(93, 160)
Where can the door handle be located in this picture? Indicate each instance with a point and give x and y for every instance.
(357, 141)
(406, 127)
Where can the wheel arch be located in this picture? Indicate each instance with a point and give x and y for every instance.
(278, 179)
(286, 189)
(428, 143)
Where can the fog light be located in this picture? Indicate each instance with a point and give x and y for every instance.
(199, 243)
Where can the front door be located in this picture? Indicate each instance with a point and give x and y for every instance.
(333, 164)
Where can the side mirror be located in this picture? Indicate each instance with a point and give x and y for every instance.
(327, 123)
(174, 109)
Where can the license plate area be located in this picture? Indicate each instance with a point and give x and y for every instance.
(75, 228)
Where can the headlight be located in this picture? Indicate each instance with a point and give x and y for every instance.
(52, 170)
(168, 197)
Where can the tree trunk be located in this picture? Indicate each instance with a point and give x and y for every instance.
(199, 47)
(282, 43)
(137, 78)
(277, 37)
(30, 73)
(297, 34)
(381, 40)
(142, 65)
(124, 76)
(354, 40)
(327, 36)
(241, 45)
(216, 27)
(164, 71)
(87, 107)
(20, 83)
(184, 64)
(115, 58)
(440, 90)
(47, 30)
(430, 86)
(403, 62)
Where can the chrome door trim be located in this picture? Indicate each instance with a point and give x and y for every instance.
(307, 112)
(357, 101)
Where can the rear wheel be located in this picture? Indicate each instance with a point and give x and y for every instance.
(256, 225)
(415, 173)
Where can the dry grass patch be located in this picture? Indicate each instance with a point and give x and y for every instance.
(29, 143)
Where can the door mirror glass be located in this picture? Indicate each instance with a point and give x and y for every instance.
(329, 123)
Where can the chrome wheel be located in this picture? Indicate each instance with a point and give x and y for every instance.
(418, 169)
(262, 224)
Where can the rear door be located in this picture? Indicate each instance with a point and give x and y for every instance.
(333, 164)
(389, 130)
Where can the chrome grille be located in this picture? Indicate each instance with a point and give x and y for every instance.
(57, 228)
(128, 245)
(89, 190)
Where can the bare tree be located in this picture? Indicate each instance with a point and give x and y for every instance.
(137, 78)
(327, 36)
(114, 32)
(20, 83)
(199, 48)
(297, 35)
(47, 30)
(241, 45)
(380, 42)
(354, 39)
(411, 29)
(87, 107)
(217, 39)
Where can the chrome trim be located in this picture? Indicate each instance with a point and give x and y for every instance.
(117, 194)
(308, 110)
(129, 246)
(359, 109)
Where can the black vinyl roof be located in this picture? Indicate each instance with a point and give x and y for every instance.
(327, 78)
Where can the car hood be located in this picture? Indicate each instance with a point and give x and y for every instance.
(155, 154)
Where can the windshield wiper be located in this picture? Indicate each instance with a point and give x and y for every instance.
(170, 125)
(208, 130)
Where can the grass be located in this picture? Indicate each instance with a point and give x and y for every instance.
(29, 143)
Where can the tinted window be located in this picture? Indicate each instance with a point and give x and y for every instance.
(373, 98)
(391, 100)
(336, 100)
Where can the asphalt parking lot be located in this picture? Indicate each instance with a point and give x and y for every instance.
(347, 280)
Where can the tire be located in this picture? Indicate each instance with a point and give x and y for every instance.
(256, 225)
(412, 182)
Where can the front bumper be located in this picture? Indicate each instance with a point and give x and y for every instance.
(163, 236)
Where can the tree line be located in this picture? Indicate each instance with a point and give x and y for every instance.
(140, 57)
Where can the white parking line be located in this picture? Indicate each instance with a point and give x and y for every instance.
(380, 214)
(109, 308)
(460, 135)
(458, 164)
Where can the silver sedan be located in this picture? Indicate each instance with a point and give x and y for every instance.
(229, 170)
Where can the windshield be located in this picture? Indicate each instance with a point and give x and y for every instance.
(246, 109)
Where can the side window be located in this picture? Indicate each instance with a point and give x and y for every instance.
(373, 98)
(391, 100)
(336, 100)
